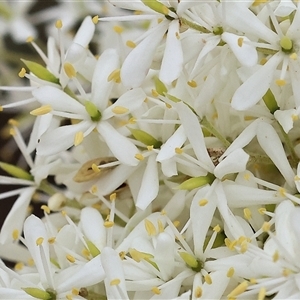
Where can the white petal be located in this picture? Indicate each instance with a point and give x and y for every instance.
(138, 62)
(171, 65)
(92, 226)
(271, 144)
(285, 118)
(9, 293)
(150, 185)
(285, 8)
(246, 54)
(101, 87)
(118, 144)
(85, 32)
(253, 89)
(235, 162)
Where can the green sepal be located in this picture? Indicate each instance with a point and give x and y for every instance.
(93, 111)
(16, 171)
(270, 101)
(40, 71)
(196, 182)
(145, 138)
(93, 249)
(159, 86)
(195, 264)
(156, 6)
(38, 293)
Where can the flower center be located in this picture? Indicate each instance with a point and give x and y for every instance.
(93, 111)
(286, 44)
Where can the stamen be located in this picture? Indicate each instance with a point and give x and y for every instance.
(119, 110)
(113, 196)
(43, 110)
(262, 293)
(240, 42)
(247, 213)
(115, 281)
(156, 290)
(95, 168)
(230, 272)
(52, 240)
(39, 241)
(58, 24)
(203, 202)
(70, 70)
(22, 73)
(46, 209)
(139, 156)
(130, 44)
(19, 266)
(198, 292)
(208, 279)
(95, 19)
(239, 289)
(192, 83)
(118, 29)
(78, 138)
(114, 75)
(15, 234)
(70, 258)
(178, 150)
(108, 224)
(150, 228)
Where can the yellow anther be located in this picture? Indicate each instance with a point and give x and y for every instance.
(253, 281)
(15, 234)
(30, 262)
(13, 122)
(263, 61)
(208, 279)
(275, 256)
(177, 35)
(176, 223)
(139, 156)
(113, 196)
(247, 213)
(232, 245)
(262, 210)
(70, 258)
(150, 228)
(132, 120)
(86, 253)
(52, 240)
(282, 192)
(230, 272)
(161, 227)
(64, 213)
(295, 117)
(69, 70)
(22, 73)
(244, 246)
(109, 224)
(95, 19)
(29, 39)
(168, 105)
(1, 108)
(286, 272)
(156, 290)
(198, 292)
(69, 297)
(130, 44)
(150, 148)
(114, 75)
(203, 202)
(154, 93)
(294, 56)
(12, 132)
(280, 82)
(178, 150)
(39, 241)
(95, 168)
(58, 24)
(247, 176)
(118, 29)
(262, 293)
(19, 266)
(122, 254)
(75, 291)
(46, 209)
(43, 110)
(227, 242)
(115, 281)
(241, 288)
(94, 189)
(78, 138)
(119, 110)
(266, 227)
(217, 228)
(192, 83)
(240, 42)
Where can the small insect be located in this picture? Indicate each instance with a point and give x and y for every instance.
(215, 154)
(92, 169)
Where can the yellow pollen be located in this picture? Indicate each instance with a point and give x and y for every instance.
(168, 105)
(22, 73)
(130, 44)
(275, 256)
(19, 266)
(203, 202)
(240, 42)
(43, 110)
(70, 258)
(247, 176)
(241, 288)
(113, 196)
(280, 82)
(262, 293)
(46, 209)
(122, 254)
(150, 148)
(154, 93)
(294, 56)
(266, 227)
(108, 224)
(115, 281)
(247, 213)
(118, 29)
(159, 20)
(58, 24)
(161, 227)
(232, 245)
(94, 189)
(207, 279)
(114, 75)
(192, 83)
(230, 272)
(132, 120)
(15, 234)
(1, 108)
(75, 291)
(13, 122)
(227, 242)
(262, 210)
(156, 290)
(244, 247)
(217, 228)
(29, 39)
(69, 70)
(95, 19)
(178, 150)
(39, 241)
(176, 223)
(150, 228)
(177, 35)
(253, 281)
(282, 192)
(295, 117)
(30, 262)
(286, 272)
(119, 110)
(69, 297)
(263, 61)
(139, 156)
(198, 292)
(64, 213)
(95, 168)
(52, 240)
(78, 138)
(85, 252)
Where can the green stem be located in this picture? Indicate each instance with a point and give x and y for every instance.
(194, 25)
(204, 122)
(47, 188)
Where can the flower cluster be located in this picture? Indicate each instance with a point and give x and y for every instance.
(164, 153)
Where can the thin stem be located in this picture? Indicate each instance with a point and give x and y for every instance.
(194, 25)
